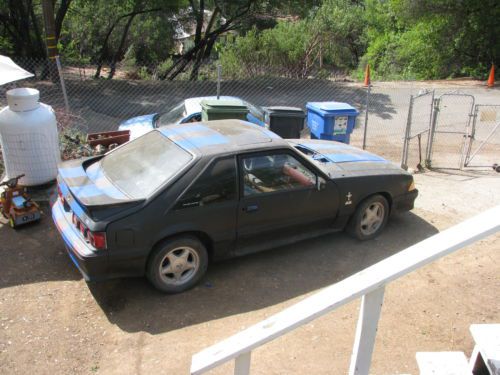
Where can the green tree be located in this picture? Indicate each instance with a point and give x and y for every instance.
(333, 33)
(21, 26)
(432, 39)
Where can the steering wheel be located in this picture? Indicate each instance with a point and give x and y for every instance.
(248, 164)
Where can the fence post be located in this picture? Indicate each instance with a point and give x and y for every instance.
(466, 139)
(366, 331)
(430, 139)
(471, 136)
(242, 364)
(366, 115)
(219, 69)
(63, 85)
(406, 142)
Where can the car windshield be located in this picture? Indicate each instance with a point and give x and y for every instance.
(173, 115)
(254, 110)
(144, 164)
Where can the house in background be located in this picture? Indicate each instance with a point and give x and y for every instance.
(185, 29)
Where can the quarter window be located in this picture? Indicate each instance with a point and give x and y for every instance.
(216, 184)
(269, 173)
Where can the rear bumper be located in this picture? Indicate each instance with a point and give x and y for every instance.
(92, 265)
(405, 202)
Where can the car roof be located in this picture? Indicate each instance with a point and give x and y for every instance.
(222, 136)
(193, 105)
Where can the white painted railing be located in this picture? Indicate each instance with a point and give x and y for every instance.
(368, 284)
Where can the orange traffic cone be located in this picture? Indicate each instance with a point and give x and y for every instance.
(491, 78)
(367, 75)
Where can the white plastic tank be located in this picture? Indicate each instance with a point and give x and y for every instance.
(28, 136)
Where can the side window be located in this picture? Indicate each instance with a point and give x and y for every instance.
(216, 184)
(268, 173)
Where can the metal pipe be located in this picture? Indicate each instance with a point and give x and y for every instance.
(484, 142)
(219, 68)
(472, 116)
(366, 115)
(430, 140)
(406, 142)
(63, 85)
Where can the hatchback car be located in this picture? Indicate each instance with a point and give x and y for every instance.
(166, 203)
(187, 111)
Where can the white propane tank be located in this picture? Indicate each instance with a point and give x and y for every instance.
(28, 136)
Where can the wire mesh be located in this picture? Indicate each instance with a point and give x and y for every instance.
(101, 104)
(418, 127)
(484, 148)
(453, 120)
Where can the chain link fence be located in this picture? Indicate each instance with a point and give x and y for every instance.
(484, 151)
(101, 104)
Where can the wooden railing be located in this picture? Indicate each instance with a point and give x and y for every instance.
(368, 284)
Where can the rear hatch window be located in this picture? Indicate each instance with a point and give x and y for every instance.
(141, 166)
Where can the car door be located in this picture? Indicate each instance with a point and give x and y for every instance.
(282, 198)
(210, 203)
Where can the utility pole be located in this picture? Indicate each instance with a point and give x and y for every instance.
(50, 37)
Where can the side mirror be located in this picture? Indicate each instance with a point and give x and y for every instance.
(320, 183)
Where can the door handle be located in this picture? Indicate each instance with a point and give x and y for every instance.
(251, 208)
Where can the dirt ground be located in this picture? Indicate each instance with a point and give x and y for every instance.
(52, 322)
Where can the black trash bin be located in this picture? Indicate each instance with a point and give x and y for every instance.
(287, 122)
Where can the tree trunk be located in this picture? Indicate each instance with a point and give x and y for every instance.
(200, 17)
(104, 51)
(50, 37)
(202, 53)
(61, 13)
(119, 51)
(205, 43)
(104, 48)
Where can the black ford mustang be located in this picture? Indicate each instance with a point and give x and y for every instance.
(164, 204)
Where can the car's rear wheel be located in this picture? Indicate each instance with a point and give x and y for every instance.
(177, 264)
(370, 218)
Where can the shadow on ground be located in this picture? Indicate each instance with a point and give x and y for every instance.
(254, 282)
(102, 104)
(33, 253)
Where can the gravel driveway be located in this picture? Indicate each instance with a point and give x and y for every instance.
(52, 322)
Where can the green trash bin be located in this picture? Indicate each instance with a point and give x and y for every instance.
(223, 109)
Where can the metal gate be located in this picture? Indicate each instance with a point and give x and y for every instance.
(417, 129)
(483, 149)
(451, 120)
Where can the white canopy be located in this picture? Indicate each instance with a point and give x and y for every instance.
(10, 71)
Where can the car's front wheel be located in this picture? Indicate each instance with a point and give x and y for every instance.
(370, 218)
(177, 264)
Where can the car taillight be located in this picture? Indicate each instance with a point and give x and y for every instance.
(97, 239)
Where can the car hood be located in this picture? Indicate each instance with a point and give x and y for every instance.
(339, 159)
(138, 125)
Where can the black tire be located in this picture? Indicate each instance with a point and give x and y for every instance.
(177, 255)
(360, 227)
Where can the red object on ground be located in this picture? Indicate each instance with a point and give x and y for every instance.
(491, 78)
(106, 138)
(367, 76)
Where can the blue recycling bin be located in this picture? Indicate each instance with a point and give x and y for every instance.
(331, 120)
